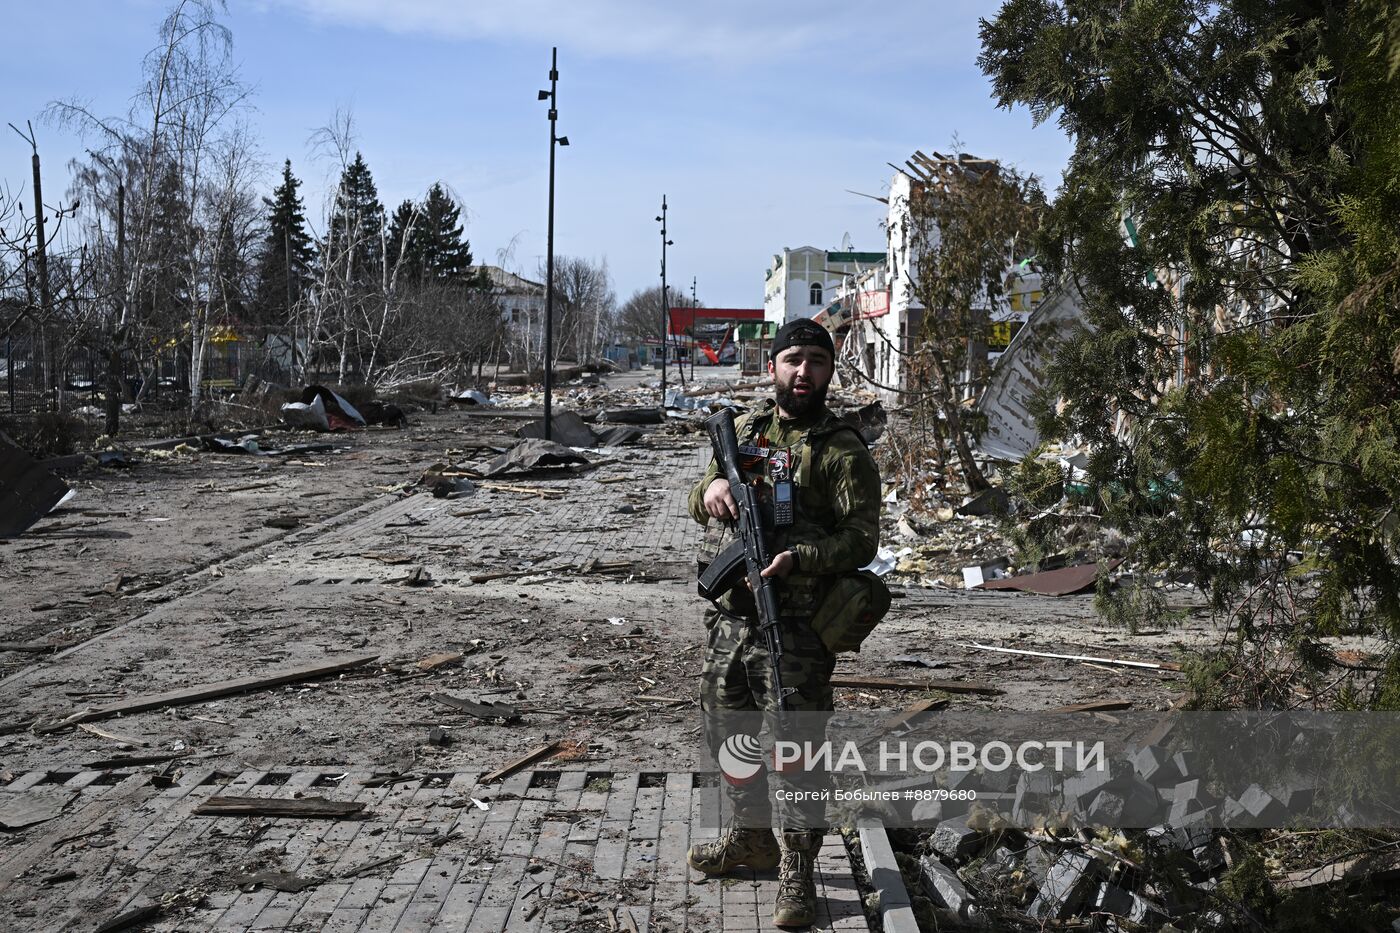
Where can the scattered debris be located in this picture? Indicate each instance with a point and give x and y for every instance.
(479, 709)
(531, 454)
(982, 574)
(322, 410)
(276, 880)
(418, 576)
(469, 397)
(372, 865)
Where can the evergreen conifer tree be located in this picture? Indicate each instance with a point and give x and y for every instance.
(353, 242)
(446, 256)
(406, 222)
(286, 240)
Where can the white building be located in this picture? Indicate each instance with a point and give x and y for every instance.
(898, 330)
(802, 282)
(522, 300)
(522, 310)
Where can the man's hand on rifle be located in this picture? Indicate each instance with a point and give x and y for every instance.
(719, 501)
(783, 564)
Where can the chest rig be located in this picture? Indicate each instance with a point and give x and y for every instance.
(796, 509)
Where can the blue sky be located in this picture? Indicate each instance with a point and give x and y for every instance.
(752, 117)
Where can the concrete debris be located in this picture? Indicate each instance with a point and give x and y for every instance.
(945, 888)
(1068, 886)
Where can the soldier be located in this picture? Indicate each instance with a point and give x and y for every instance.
(833, 531)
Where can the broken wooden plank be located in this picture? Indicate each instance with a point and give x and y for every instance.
(212, 691)
(894, 683)
(312, 808)
(128, 741)
(1376, 867)
(440, 659)
(372, 865)
(1117, 662)
(927, 705)
(478, 709)
(130, 918)
(1096, 706)
(525, 490)
(131, 761)
(524, 761)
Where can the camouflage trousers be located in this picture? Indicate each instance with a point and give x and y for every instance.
(737, 677)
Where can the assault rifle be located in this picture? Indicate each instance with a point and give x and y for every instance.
(751, 548)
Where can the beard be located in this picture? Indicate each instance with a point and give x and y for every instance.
(799, 406)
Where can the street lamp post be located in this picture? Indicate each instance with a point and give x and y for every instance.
(550, 95)
(693, 306)
(665, 302)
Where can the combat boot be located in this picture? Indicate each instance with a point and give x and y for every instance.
(752, 848)
(796, 905)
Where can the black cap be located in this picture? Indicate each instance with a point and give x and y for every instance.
(803, 332)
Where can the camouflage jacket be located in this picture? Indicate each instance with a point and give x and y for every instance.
(837, 524)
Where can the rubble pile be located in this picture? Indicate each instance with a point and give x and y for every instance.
(938, 534)
(1032, 850)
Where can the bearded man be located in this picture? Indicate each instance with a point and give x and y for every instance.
(795, 452)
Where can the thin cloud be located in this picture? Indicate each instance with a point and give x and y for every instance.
(725, 31)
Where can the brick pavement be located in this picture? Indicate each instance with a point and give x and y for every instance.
(551, 850)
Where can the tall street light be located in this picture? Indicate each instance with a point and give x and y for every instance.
(550, 95)
(665, 301)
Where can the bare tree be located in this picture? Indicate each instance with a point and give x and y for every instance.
(584, 305)
(170, 182)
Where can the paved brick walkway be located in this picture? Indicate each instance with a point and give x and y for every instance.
(637, 513)
(552, 850)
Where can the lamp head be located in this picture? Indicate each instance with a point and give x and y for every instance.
(544, 95)
(563, 140)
